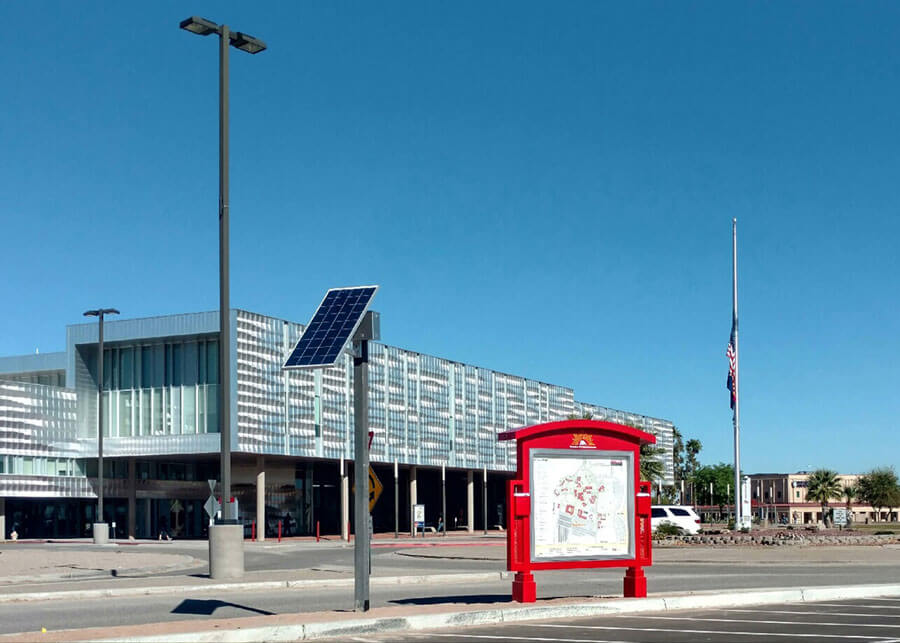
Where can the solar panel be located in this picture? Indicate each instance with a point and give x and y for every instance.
(333, 325)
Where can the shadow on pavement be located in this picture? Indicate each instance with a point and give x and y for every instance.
(207, 607)
(471, 599)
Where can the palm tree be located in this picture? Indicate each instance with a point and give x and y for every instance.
(652, 468)
(823, 485)
(850, 492)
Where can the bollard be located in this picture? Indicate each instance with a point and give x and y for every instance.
(317, 531)
(279, 531)
(253, 530)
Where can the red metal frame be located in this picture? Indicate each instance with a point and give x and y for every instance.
(565, 436)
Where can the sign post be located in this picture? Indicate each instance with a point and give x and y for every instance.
(577, 502)
(419, 518)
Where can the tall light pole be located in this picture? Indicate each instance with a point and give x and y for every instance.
(223, 567)
(100, 528)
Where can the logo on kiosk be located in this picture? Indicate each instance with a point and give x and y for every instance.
(582, 441)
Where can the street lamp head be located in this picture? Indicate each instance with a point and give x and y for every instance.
(101, 311)
(247, 43)
(199, 26)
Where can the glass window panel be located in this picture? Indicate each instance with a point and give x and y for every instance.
(125, 403)
(157, 411)
(28, 466)
(191, 367)
(144, 428)
(212, 405)
(201, 359)
(201, 408)
(159, 363)
(107, 368)
(175, 424)
(146, 367)
(126, 368)
(108, 416)
(177, 364)
(190, 409)
(212, 361)
(168, 380)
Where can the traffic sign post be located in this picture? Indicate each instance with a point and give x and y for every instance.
(419, 518)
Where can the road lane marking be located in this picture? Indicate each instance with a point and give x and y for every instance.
(874, 607)
(508, 637)
(812, 613)
(747, 620)
(728, 633)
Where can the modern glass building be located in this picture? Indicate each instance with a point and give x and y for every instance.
(292, 433)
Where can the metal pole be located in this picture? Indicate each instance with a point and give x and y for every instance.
(396, 502)
(484, 502)
(361, 475)
(100, 420)
(444, 498)
(224, 397)
(739, 517)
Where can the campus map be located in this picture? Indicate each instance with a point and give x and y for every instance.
(580, 506)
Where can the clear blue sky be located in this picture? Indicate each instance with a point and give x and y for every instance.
(543, 189)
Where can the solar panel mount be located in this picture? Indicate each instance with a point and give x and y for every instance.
(331, 327)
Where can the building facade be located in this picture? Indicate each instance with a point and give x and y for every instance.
(292, 431)
(780, 498)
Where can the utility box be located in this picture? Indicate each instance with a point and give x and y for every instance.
(577, 502)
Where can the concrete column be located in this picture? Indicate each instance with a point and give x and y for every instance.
(470, 501)
(148, 519)
(132, 498)
(2, 519)
(345, 504)
(260, 498)
(413, 500)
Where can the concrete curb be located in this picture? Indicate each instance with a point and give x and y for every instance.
(219, 588)
(317, 630)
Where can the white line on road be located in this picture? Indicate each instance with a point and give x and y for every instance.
(507, 637)
(747, 620)
(874, 607)
(728, 633)
(811, 613)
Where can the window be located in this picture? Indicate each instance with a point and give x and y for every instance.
(658, 513)
(679, 512)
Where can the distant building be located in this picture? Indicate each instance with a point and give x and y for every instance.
(291, 433)
(781, 498)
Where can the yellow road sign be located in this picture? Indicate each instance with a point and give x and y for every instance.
(375, 488)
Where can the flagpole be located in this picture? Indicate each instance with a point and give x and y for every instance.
(738, 509)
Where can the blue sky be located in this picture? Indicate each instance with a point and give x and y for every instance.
(539, 188)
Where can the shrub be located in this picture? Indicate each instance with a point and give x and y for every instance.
(668, 529)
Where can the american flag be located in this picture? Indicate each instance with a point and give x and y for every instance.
(732, 356)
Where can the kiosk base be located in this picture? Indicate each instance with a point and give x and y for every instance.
(524, 589)
(635, 583)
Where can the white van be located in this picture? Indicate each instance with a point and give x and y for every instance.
(680, 515)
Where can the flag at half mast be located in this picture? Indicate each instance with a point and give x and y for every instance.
(731, 353)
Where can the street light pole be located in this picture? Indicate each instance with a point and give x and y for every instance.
(226, 556)
(100, 529)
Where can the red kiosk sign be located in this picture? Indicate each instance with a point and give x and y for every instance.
(578, 502)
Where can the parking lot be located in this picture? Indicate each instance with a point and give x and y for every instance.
(873, 619)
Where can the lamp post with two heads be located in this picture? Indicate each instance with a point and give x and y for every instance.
(225, 562)
(100, 528)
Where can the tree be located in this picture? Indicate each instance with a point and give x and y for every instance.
(720, 475)
(876, 486)
(678, 455)
(652, 468)
(892, 500)
(821, 486)
(693, 448)
(850, 493)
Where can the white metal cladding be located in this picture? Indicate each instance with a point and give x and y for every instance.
(662, 429)
(422, 409)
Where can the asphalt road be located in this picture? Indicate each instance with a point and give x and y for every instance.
(663, 577)
(859, 621)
